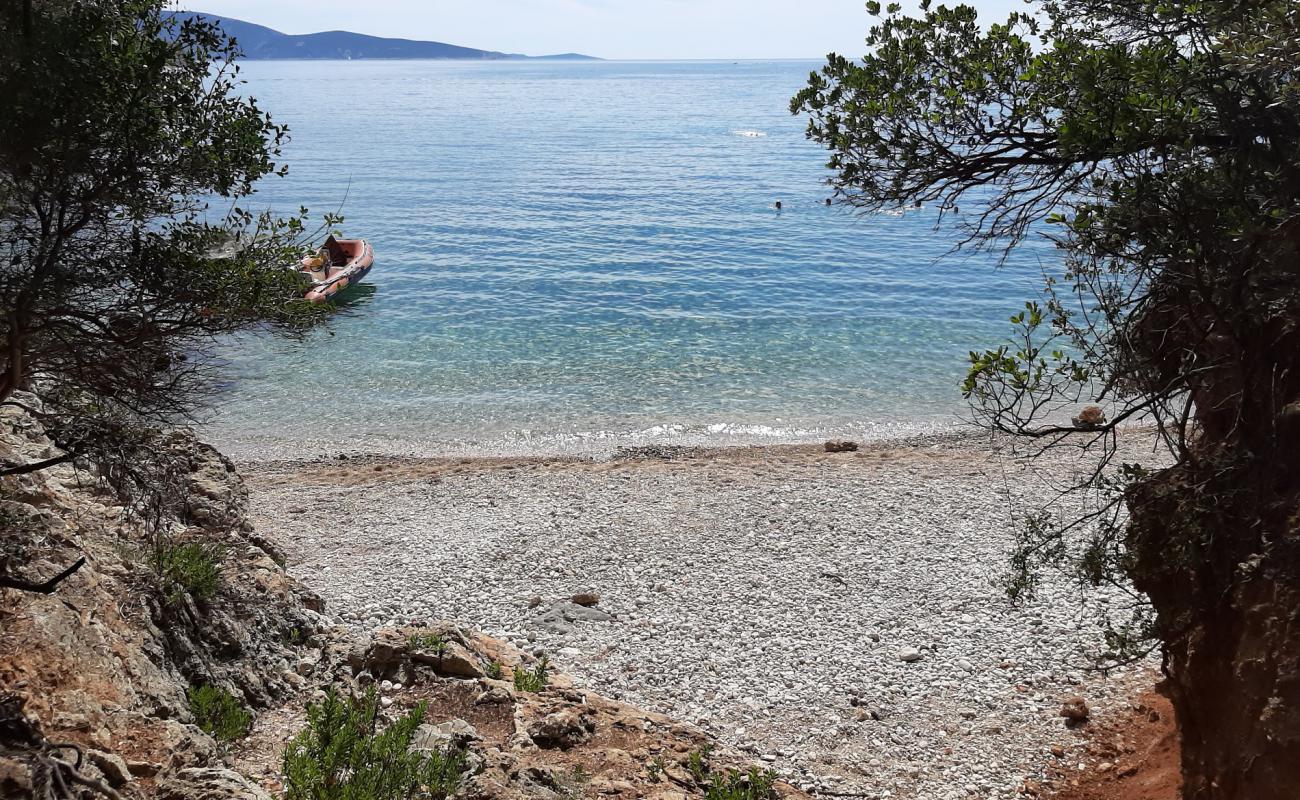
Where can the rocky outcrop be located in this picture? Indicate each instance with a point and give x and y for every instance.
(105, 661)
(560, 741)
(1217, 548)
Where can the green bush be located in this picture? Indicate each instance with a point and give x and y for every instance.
(342, 755)
(735, 785)
(193, 568)
(434, 643)
(218, 713)
(494, 670)
(697, 763)
(532, 680)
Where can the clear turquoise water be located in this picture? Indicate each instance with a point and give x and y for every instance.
(577, 255)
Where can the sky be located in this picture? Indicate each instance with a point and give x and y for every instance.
(622, 29)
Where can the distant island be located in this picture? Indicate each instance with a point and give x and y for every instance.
(261, 42)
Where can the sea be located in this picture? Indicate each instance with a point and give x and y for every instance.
(574, 257)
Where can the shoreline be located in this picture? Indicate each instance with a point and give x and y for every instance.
(956, 435)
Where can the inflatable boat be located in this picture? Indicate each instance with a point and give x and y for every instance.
(339, 264)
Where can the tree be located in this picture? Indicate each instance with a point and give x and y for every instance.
(120, 129)
(1158, 144)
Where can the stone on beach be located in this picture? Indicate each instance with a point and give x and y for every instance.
(909, 654)
(1090, 417)
(1075, 710)
(559, 617)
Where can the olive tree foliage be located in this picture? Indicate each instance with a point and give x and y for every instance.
(1157, 143)
(126, 148)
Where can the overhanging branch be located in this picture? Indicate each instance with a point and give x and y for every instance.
(36, 466)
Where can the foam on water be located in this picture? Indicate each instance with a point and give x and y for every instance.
(573, 255)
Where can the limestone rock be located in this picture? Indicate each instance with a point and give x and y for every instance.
(208, 783)
(560, 617)
(456, 661)
(113, 768)
(562, 729)
(452, 733)
(909, 654)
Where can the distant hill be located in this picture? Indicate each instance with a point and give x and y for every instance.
(261, 42)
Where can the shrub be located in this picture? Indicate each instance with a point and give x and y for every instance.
(494, 670)
(697, 763)
(218, 713)
(342, 755)
(193, 568)
(736, 785)
(532, 680)
(434, 643)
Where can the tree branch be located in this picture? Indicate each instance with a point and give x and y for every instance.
(48, 587)
(36, 466)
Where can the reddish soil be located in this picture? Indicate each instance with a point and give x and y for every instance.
(1134, 756)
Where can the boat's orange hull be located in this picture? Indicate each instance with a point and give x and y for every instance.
(349, 260)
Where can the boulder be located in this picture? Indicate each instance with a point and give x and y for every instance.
(454, 733)
(456, 661)
(562, 729)
(841, 447)
(385, 654)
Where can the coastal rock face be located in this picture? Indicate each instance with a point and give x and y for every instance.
(1231, 670)
(105, 661)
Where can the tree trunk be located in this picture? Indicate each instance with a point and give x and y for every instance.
(1216, 545)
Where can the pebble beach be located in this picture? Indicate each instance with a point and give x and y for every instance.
(839, 616)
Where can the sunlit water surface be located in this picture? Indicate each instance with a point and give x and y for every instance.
(576, 256)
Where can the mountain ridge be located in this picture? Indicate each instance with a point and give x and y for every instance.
(259, 42)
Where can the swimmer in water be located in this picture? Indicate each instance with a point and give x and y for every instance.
(778, 205)
(828, 201)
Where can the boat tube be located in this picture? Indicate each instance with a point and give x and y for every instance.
(339, 264)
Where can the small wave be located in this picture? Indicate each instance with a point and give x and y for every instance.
(750, 134)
